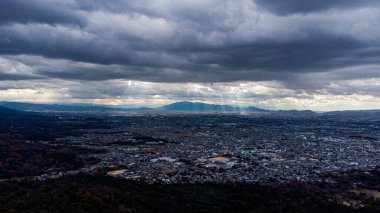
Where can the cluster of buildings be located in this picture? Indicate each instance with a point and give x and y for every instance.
(230, 148)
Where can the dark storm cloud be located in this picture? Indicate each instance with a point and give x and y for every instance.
(254, 62)
(15, 77)
(26, 11)
(305, 6)
(190, 41)
(315, 54)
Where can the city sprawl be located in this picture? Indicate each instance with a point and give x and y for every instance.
(199, 148)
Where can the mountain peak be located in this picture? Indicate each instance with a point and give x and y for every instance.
(199, 106)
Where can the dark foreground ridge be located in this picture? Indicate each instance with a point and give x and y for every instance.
(5, 111)
(99, 193)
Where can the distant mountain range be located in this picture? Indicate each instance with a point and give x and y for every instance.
(178, 106)
(52, 107)
(354, 114)
(174, 107)
(19, 108)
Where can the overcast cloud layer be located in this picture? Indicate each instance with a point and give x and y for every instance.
(320, 55)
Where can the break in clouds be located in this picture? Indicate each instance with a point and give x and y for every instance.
(278, 54)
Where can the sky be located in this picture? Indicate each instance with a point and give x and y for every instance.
(295, 54)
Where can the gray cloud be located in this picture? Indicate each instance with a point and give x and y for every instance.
(305, 6)
(305, 45)
(15, 77)
(40, 11)
(168, 43)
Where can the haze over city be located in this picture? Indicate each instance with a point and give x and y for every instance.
(296, 54)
